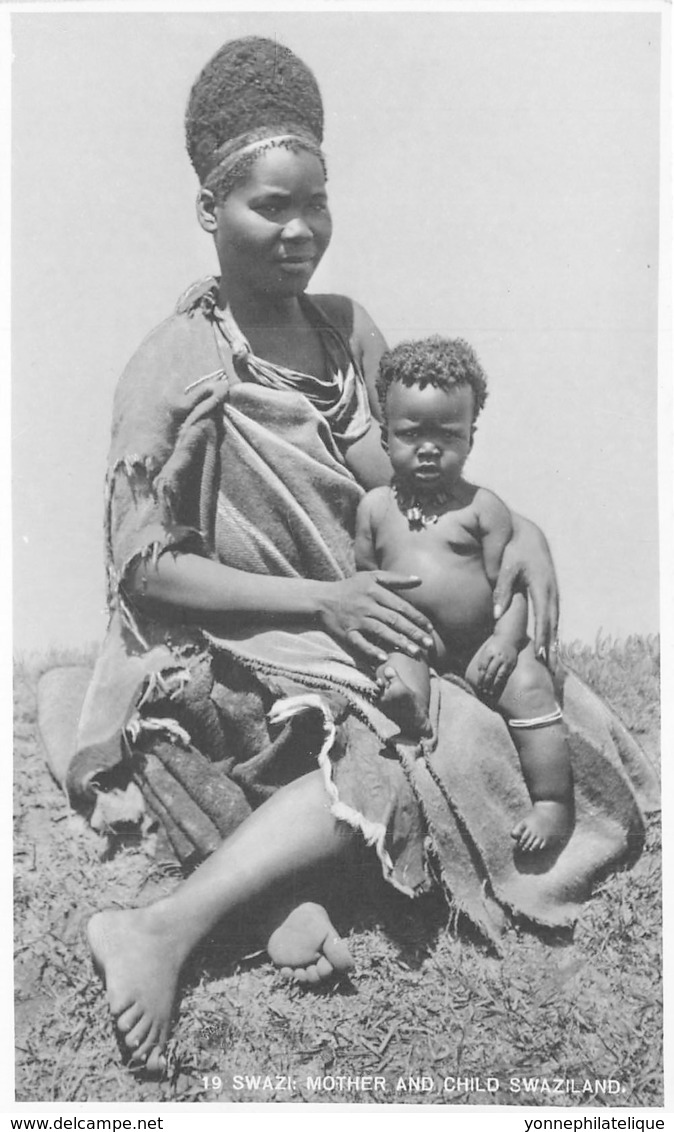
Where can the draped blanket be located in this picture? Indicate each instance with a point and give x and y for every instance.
(209, 720)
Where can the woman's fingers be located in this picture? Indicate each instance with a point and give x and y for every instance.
(504, 589)
(369, 651)
(363, 605)
(399, 624)
(387, 597)
(397, 627)
(395, 640)
(546, 616)
(395, 580)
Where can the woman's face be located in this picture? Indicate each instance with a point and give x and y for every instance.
(272, 229)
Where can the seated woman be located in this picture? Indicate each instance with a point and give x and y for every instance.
(236, 681)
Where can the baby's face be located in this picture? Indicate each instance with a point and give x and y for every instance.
(429, 434)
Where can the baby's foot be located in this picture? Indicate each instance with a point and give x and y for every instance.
(140, 970)
(401, 704)
(307, 948)
(547, 825)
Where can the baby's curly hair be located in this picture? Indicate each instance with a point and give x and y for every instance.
(443, 362)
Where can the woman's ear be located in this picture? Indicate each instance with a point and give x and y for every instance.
(473, 430)
(206, 211)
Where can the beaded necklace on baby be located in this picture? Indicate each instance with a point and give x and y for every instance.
(420, 513)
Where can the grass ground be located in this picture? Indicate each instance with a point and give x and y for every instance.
(422, 1002)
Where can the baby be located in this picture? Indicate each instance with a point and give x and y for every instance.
(450, 533)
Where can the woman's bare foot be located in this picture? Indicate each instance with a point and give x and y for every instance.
(401, 704)
(547, 825)
(307, 948)
(136, 957)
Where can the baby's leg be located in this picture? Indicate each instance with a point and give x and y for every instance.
(405, 693)
(538, 732)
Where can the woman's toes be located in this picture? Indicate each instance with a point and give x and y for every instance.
(287, 972)
(129, 1018)
(136, 1037)
(145, 1048)
(324, 968)
(337, 954)
(155, 1063)
(312, 977)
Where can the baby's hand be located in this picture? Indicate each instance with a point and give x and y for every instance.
(495, 662)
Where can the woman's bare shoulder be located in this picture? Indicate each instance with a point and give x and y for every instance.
(366, 341)
(348, 316)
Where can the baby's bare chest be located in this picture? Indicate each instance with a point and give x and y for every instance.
(452, 540)
(455, 592)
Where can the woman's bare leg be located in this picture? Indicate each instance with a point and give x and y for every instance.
(140, 952)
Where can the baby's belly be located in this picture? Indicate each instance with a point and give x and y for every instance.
(455, 595)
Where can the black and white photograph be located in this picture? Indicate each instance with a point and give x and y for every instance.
(341, 445)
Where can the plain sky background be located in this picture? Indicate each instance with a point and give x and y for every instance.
(491, 175)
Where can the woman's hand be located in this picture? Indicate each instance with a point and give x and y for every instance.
(527, 562)
(366, 613)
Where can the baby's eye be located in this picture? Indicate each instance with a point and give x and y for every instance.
(268, 208)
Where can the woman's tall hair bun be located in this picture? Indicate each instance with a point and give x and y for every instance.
(249, 83)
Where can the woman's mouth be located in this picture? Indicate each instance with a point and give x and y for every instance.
(295, 265)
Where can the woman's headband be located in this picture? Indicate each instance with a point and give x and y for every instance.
(235, 157)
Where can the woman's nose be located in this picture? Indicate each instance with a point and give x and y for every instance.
(428, 446)
(297, 229)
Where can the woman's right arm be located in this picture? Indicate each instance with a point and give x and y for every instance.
(363, 612)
